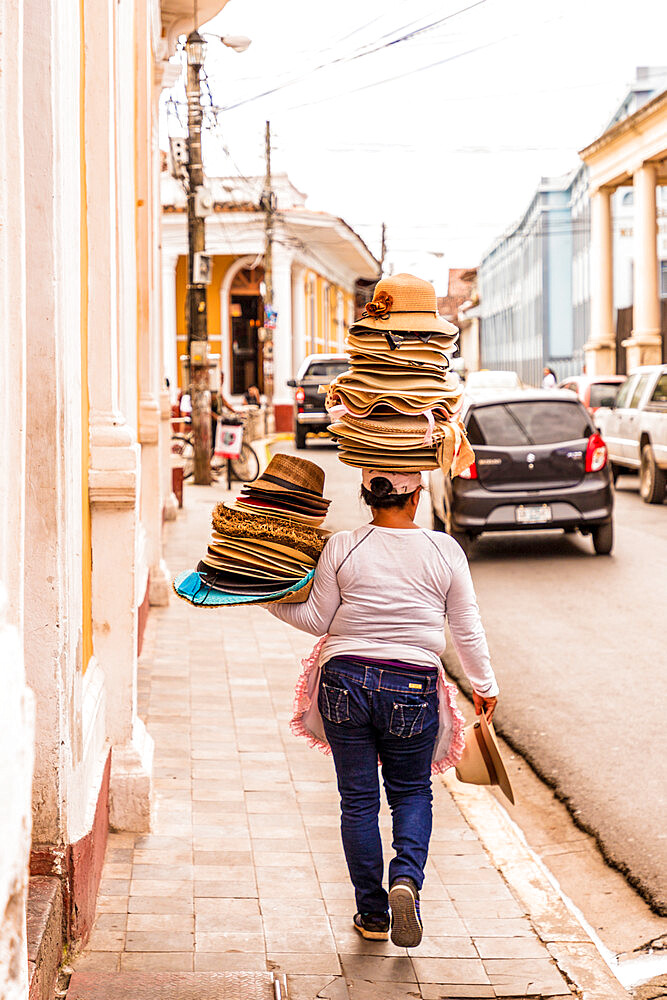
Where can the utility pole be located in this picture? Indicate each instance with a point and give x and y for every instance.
(200, 393)
(383, 249)
(268, 204)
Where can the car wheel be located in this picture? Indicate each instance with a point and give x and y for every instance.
(436, 520)
(462, 537)
(652, 479)
(300, 437)
(603, 538)
(464, 540)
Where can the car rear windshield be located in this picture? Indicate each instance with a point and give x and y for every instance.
(326, 369)
(527, 423)
(601, 391)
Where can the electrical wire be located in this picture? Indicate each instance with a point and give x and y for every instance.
(353, 57)
(411, 72)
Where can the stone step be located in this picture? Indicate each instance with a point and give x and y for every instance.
(44, 935)
(176, 986)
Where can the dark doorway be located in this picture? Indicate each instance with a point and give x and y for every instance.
(246, 349)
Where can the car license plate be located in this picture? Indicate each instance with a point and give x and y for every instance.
(538, 514)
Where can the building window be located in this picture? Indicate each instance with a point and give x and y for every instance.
(326, 317)
(311, 306)
(628, 199)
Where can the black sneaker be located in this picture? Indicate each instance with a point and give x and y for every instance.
(406, 925)
(374, 926)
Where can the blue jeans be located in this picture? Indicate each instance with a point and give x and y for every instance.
(370, 712)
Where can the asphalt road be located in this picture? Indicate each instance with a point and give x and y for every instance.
(578, 645)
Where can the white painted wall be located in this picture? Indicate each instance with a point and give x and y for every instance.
(16, 711)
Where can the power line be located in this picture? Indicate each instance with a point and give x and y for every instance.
(411, 72)
(352, 57)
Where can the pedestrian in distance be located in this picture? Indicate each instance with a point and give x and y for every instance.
(381, 594)
(549, 380)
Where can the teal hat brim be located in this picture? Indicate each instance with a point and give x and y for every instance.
(190, 586)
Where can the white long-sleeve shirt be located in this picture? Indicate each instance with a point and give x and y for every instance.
(384, 593)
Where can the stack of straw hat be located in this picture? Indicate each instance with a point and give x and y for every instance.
(396, 408)
(264, 546)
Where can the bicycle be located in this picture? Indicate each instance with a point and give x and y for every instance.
(245, 467)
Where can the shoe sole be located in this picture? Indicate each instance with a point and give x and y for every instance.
(371, 935)
(406, 929)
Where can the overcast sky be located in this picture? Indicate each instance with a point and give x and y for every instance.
(444, 135)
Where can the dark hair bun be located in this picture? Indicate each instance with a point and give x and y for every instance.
(380, 486)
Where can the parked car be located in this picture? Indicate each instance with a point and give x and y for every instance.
(309, 412)
(594, 391)
(491, 379)
(539, 463)
(635, 430)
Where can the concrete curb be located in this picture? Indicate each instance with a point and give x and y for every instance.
(565, 936)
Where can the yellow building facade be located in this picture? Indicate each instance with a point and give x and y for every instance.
(317, 262)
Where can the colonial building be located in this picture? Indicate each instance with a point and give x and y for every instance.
(540, 283)
(633, 151)
(318, 261)
(85, 426)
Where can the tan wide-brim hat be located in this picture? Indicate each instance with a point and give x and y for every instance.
(376, 343)
(363, 402)
(422, 461)
(481, 763)
(404, 302)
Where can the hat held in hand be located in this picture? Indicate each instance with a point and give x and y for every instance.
(481, 763)
(404, 302)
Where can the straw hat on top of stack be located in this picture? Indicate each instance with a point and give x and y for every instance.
(396, 407)
(265, 546)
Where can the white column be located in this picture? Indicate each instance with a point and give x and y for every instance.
(644, 347)
(169, 371)
(114, 476)
(282, 341)
(16, 719)
(600, 351)
(169, 343)
(299, 348)
(148, 312)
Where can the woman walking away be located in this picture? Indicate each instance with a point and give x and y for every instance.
(381, 593)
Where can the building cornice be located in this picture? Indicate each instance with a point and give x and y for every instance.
(652, 109)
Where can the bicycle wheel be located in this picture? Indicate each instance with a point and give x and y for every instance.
(182, 446)
(246, 467)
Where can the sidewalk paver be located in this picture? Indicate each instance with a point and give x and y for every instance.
(244, 869)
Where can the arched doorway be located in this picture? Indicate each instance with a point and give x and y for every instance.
(246, 319)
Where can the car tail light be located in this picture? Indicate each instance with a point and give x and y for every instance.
(596, 454)
(300, 396)
(469, 473)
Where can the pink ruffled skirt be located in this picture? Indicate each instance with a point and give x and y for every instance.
(307, 721)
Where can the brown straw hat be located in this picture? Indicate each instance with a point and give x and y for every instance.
(481, 763)
(405, 303)
(292, 474)
(239, 524)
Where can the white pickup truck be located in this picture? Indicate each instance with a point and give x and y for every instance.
(635, 430)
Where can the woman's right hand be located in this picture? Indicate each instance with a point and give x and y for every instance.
(486, 705)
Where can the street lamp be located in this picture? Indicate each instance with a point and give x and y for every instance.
(195, 47)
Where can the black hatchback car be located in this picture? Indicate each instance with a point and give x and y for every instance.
(539, 463)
